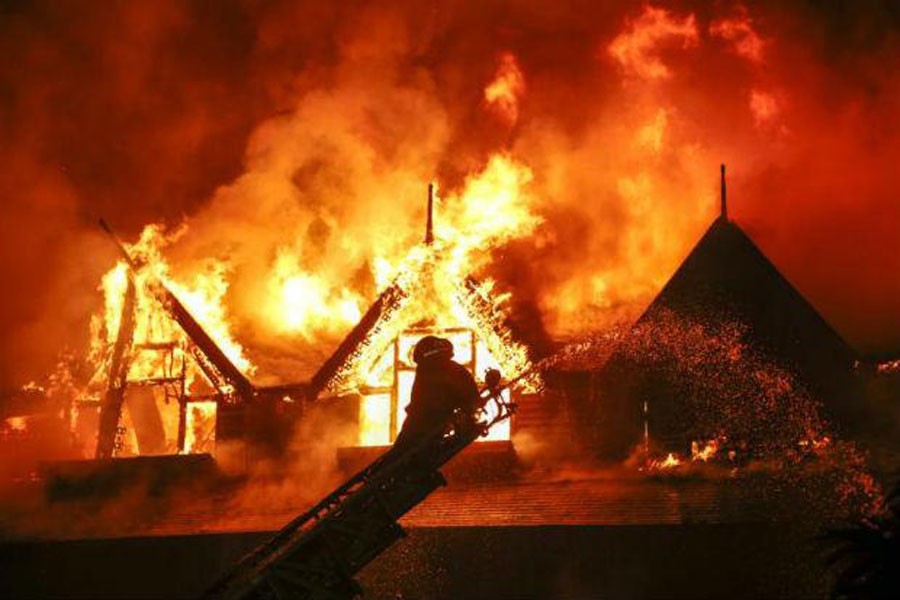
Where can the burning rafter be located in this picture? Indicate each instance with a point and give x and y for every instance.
(403, 304)
(216, 365)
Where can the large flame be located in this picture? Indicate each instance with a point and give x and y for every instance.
(159, 351)
(433, 286)
(580, 199)
(203, 295)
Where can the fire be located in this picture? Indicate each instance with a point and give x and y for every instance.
(306, 303)
(503, 94)
(493, 206)
(431, 291)
(669, 462)
(204, 297)
(159, 353)
(637, 49)
(496, 205)
(704, 453)
(888, 367)
(601, 185)
(17, 423)
(200, 427)
(815, 444)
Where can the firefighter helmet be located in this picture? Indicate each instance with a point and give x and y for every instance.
(432, 346)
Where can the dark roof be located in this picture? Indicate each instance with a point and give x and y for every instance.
(725, 280)
(727, 276)
(585, 498)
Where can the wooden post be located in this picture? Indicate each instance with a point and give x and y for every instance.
(117, 380)
(429, 224)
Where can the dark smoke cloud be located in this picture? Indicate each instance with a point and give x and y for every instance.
(141, 111)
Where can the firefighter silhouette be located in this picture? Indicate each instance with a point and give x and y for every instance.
(443, 392)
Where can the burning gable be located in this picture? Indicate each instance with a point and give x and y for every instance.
(429, 296)
(164, 375)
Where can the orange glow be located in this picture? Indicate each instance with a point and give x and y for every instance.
(19, 424)
(705, 452)
(204, 297)
(304, 303)
(669, 462)
(503, 94)
(375, 407)
(637, 48)
(375, 420)
(764, 107)
(652, 134)
(493, 207)
(576, 172)
(200, 427)
(740, 33)
(159, 350)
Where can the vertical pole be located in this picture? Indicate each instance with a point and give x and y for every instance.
(182, 405)
(429, 224)
(117, 379)
(395, 393)
(723, 211)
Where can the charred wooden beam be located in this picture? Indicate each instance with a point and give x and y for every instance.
(386, 303)
(205, 344)
(111, 409)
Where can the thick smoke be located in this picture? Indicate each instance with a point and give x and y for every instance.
(306, 134)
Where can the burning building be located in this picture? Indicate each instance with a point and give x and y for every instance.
(575, 143)
(375, 361)
(511, 513)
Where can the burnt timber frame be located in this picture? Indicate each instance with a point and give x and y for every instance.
(228, 381)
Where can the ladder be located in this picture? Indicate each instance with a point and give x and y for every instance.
(317, 554)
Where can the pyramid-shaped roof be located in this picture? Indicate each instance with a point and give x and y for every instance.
(726, 279)
(726, 276)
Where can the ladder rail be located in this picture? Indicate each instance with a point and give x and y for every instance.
(362, 496)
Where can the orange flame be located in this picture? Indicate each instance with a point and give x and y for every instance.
(200, 427)
(637, 49)
(503, 94)
(739, 31)
(704, 453)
